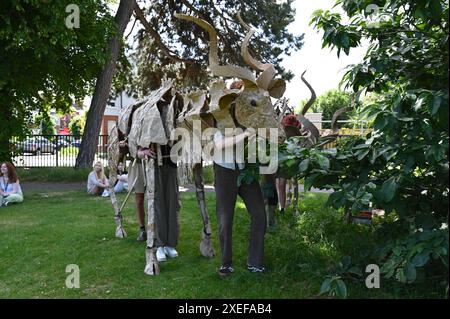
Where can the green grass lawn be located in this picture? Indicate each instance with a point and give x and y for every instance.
(49, 231)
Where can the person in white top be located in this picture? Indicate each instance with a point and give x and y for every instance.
(122, 179)
(97, 183)
(10, 190)
(226, 173)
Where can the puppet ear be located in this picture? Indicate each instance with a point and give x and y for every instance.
(249, 84)
(227, 98)
(276, 88)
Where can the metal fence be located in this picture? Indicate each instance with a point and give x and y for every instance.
(350, 127)
(52, 150)
(62, 150)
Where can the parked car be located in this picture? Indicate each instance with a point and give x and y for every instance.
(36, 146)
(76, 143)
(60, 143)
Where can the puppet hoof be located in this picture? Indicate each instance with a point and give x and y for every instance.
(206, 248)
(152, 266)
(120, 232)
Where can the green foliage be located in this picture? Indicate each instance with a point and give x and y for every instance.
(208, 174)
(405, 257)
(249, 174)
(402, 165)
(42, 62)
(45, 123)
(343, 270)
(334, 286)
(331, 101)
(76, 124)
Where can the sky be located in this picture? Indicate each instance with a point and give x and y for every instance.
(324, 68)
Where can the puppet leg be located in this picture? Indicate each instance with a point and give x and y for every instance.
(152, 266)
(288, 192)
(113, 159)
(296, 211)
(206, 248)
(120, 231)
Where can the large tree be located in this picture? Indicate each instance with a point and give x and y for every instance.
(89, 142)
(43, 61)
(166, 46)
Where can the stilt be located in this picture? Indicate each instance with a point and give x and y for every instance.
(289, 192)
(206, 248)
(152, 266)
(295, 183)
(113, 160)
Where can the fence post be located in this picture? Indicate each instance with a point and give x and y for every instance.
(57, 149)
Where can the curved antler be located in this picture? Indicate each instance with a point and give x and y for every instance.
(255, 64)
(313, 95)
(216, 68)
(336, 115)
(268, 69)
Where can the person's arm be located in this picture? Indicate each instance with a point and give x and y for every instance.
(143, 152)
(103, 182)
(94, 181)
(123, 144)
(230, 141)
(14, 190)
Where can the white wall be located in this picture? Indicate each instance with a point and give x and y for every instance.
(315, 118)
(121, 101)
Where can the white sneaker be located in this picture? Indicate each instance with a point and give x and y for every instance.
(171, 252)
(105, 193)
(160, 254)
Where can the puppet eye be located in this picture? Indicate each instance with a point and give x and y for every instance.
(253, 103)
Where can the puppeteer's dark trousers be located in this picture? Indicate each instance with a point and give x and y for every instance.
(269, 191)
(225, 182)
(167, 205)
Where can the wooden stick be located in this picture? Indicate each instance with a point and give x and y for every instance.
(128, 195)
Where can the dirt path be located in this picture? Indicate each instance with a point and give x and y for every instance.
(50, 186)
(80, 186)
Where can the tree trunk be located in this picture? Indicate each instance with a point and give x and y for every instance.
(6, 127)
(89, 142)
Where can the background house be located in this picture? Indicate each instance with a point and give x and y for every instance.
(112, 111)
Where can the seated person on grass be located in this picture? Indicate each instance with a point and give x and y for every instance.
(122, 179)
(97, 183)
(10, 190)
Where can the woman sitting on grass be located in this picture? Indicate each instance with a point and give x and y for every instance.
(97, 183)
(10, 190)
(122, 179)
